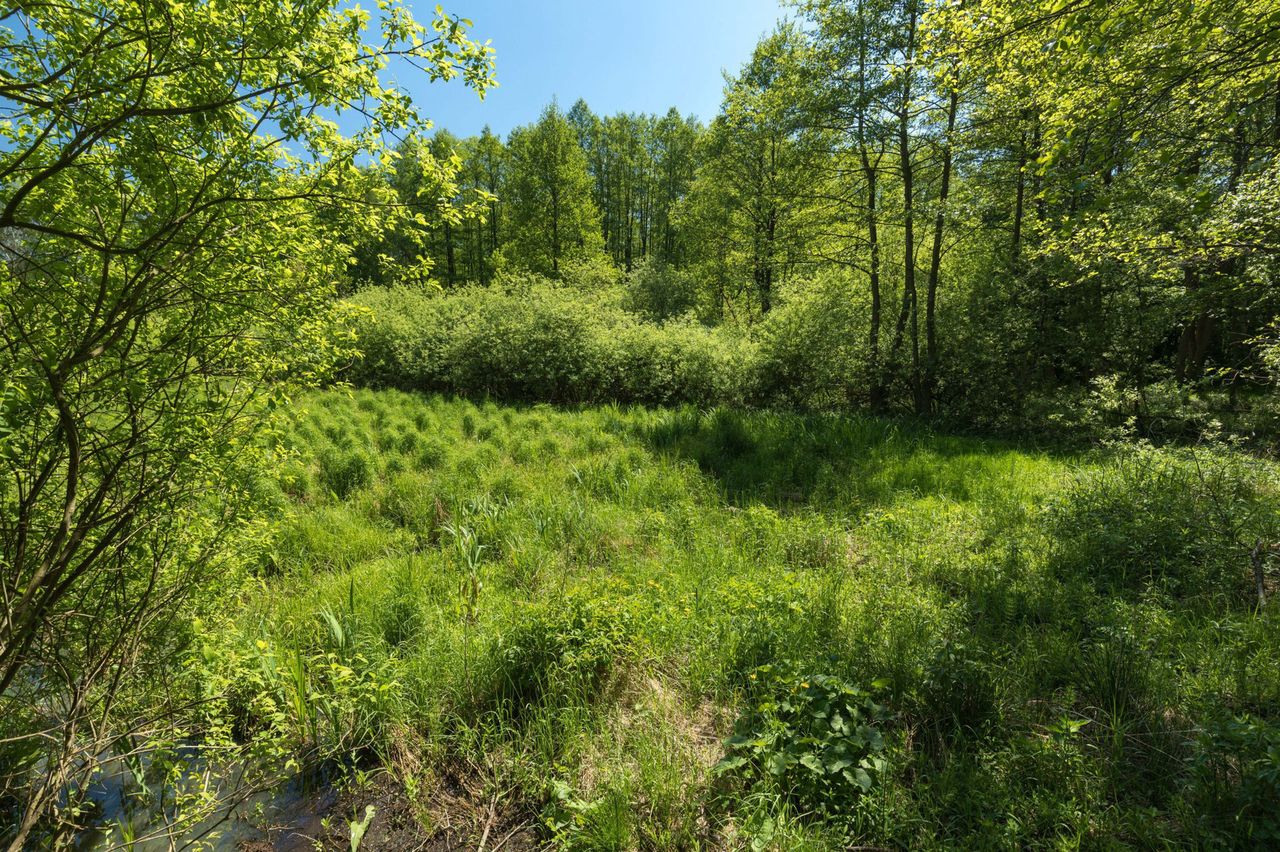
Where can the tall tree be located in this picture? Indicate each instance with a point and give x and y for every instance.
(891, 101)
(483, 164)
(641, 166)
(750, 190)
(170, 179)
(674, 161)
(849, 79)
(1134, 148)
(549, 212)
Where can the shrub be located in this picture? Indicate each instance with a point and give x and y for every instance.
(680, 362)
(592, 272)
(660, 292)
(531, 340)
(523, 347)
(1185, 521)
(1236, 767)
(811, 345)
(816, 736)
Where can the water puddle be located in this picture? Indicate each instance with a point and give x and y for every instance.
(130, 813)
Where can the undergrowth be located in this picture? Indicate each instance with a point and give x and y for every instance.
(665, 629)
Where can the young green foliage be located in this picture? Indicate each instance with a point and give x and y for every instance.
(171, 174)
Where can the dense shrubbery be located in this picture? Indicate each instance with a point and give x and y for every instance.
(1236, 772)
(660, 292)
(811, 348)
(1184, 523)
(597, 336)
(594, 339)
(534, 341)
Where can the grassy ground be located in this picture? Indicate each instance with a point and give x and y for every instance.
(616, 629)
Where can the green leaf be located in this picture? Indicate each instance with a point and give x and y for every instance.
(812, 763)
(729, 764)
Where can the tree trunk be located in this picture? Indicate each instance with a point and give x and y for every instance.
(626, 209)
(877, 392)
(450, 260)
(1019, 199)
(1037, 181)
(910, 306)
(924, 399)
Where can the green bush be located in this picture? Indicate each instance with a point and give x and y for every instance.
(1236, 770)
(1183, 521)
(811, 346)
(816, 737)
(531, 340)
(660, 292)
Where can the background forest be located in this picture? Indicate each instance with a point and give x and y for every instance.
(1006, 215)
(885, 461)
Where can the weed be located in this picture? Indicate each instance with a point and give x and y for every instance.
(816, 738)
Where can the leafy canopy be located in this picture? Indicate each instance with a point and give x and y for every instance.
(170, 175)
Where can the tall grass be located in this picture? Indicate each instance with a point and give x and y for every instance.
(581, 606)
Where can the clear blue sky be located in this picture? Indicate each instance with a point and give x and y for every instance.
(621, 56)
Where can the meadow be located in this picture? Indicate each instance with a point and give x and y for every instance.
(877, 450)
(630, 628)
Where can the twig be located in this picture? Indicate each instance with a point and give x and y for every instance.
(510, 834)
(493, 804)
(1257, 559)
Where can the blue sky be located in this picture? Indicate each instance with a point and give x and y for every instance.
(621, 56)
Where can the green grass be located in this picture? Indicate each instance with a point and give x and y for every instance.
(580, 607)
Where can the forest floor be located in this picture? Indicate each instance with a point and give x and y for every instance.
(624, 628)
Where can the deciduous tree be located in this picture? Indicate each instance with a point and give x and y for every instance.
(171, 177)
